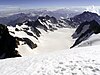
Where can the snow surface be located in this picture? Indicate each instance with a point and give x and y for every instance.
(93, 40)
(52, 56)
(48, 42)
(54, 41)
(76, 61)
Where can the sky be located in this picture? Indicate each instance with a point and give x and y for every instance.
(46, 3)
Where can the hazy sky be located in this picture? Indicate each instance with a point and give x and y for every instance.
(46, 3)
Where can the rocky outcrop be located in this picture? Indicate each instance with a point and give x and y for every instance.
(30, 34)
(85, 30)
(29, 43)
(85, 16)
(7, 44)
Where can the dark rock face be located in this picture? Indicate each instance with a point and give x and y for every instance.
(47, 17)
(39, 25)
(33, 25)
(43, 22)
(80, 29)
(30, 34)
(29, 43)
(53, 20)
(16, 29)
(30, 23)
(7, 44)
(85, 16)
(36, 31)
(85, 30)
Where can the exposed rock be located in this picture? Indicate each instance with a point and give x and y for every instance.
(30, 43)
(53, 20)
(47, 17)
(19, 24)
(30, 34)
(12, 32)
(7, 44)
(25, 28)
(16, 29)
(85, 16)
(85, 30)
(39, 25)
(36, 31)
(27, 41)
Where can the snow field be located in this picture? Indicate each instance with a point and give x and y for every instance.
(77, 61)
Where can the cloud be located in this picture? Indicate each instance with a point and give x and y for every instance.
(8, 7)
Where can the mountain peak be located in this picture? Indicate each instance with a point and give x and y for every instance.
(85, 16)
(93, 9)
(85, 30)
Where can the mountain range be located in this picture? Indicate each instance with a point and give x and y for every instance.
(46, 44)
(27, 29)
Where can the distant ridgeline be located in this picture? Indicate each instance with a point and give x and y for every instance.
(85, 16)
(87, 23)
(9, 40)
(71, 22)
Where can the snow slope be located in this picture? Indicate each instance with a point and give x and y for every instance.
(54, 41)
(48, 41)
(76, 61)
(52, 56)
(93, 40)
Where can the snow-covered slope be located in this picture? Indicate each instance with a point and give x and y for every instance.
(85, 30)
(47, 42)
(77, 61)
(93, 40)
(46, 34)
(54, 41)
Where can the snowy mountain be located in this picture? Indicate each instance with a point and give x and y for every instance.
(85, 16)
(80, 61)
(29, 34)
(57, 13)
(8, 44)
(43, 44)
(71, 16)
(21, 17)
(85, 30)
(34, 27)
